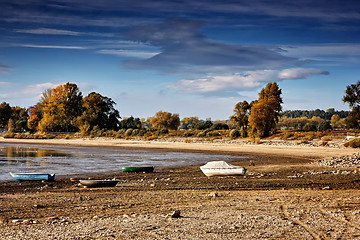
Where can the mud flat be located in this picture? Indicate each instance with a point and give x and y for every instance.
(286, 195)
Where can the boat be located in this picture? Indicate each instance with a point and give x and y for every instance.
(138, 169)
(222, 168)
(33, 176)
(98, 183)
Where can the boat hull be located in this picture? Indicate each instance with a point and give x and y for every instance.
(222, 168)
(98, 183)
(137, 169)
(33, 177)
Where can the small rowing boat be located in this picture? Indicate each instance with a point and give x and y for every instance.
(33, 176)
(137, 169)
(221, 168)
(98, 183)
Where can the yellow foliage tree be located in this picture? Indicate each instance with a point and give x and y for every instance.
(60, 106)
(165, 120)
(265, 111)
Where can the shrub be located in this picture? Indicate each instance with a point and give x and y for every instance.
(162, 131)
(129, 132)
(9, 135)
(135, 132)
(188, 134)
(234, 133)
(354, 143)
(213, 134)
(203, 133)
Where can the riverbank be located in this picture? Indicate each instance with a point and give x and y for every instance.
(286, 195)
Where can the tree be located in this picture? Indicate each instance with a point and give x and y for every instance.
(241, 115)
(189, 122)
(130, 122)
(34, 117)
(165, 120)
(352, 97)
(97, 111)
(5, 114)
(20, 118)
(60, 106)
(265, 112)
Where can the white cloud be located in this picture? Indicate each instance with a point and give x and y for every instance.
(247, 80)
(51, 46)
(5, 84)
(300, 73)
(48, 31)
(128, 53)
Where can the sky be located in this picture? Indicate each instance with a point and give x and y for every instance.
(191, 57)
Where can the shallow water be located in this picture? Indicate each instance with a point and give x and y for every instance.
(63, 160)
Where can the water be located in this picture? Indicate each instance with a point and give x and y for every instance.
(80, 160)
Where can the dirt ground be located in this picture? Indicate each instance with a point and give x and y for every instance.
(277, 199)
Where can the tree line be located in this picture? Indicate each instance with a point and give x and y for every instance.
(64, 109)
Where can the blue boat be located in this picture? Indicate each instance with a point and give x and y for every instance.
(33, 176)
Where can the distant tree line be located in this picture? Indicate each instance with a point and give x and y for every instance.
(326, 115)
(64, 109)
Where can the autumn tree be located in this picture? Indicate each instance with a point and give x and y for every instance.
(60, 106)
(98, 111)
(189, 122)
(35, 115)
(241, 115)
(265, 112)
(165, 120)
(352, 97)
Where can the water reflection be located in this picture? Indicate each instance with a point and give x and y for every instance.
(15, 155)
(67, 160)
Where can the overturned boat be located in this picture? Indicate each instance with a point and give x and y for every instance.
(222, 168)
(33, 176)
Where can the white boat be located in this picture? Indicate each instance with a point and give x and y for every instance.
(221, 168)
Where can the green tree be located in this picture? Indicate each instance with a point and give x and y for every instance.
(98, 111)
(5, 114)
(241, 115)
(130, 122)
(352, 97)
(165, 120)
(20, 118)
(265, 112)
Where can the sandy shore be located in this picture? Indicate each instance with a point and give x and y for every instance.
(285, 196)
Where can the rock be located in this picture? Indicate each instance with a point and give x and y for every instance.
(176, 214)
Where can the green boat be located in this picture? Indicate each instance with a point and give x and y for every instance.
(137, 169)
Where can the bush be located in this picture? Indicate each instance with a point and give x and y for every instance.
(213, 134)
(188, 134)
(129, 132)
(354, 143)
(135, 132)
(162, 131)
(234, 133)
(203, 133)
(9, 135)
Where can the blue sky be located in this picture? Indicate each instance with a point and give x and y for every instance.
(195, 58)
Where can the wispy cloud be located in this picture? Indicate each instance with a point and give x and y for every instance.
(4, 69)
(48, 31)
(52, 46)
(185, 49)
(128, 53)
(248, 80)
(6, 84)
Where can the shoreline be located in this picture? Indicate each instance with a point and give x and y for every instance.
(309, 152)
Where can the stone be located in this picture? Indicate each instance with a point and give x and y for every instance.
(176, 214)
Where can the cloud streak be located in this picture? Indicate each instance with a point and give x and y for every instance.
(185, 49)
(248, 80)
